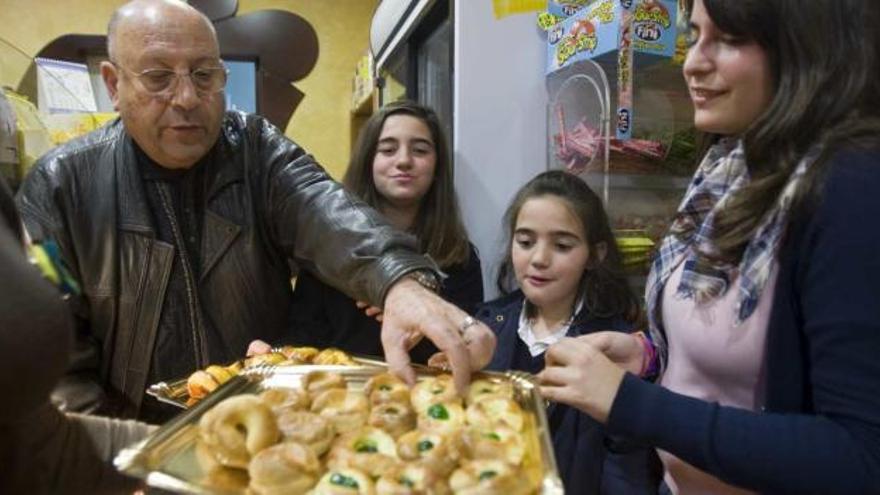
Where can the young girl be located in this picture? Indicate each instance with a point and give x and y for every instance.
(763, 299)
(564, 259)
(400, 166)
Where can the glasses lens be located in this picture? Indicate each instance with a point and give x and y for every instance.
(158, 80)
(210, 80)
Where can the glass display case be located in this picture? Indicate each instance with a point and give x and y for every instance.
(622, 118)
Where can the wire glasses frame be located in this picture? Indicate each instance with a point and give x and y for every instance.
(164, 82)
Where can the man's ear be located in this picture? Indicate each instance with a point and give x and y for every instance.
(110, 75)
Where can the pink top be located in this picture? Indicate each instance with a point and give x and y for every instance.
(712, 359)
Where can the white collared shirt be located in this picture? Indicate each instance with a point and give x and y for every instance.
(538, 346)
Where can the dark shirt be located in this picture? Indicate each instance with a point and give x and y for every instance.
(176, 203)
(322, 316)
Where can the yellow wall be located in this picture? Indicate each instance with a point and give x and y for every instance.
(322, 122)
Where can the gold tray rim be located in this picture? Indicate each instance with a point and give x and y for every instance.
(138, 459)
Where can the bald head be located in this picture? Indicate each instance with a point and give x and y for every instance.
(139, 17)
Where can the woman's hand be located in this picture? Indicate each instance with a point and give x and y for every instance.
(586, 372)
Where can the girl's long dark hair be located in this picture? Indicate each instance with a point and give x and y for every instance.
(438, 225)
(603, 285)
(826, 78)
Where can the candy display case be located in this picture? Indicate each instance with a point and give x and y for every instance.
(619, 114)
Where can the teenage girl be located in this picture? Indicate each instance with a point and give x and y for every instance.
(562, 277)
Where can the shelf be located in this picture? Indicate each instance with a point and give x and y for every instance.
(641, 182)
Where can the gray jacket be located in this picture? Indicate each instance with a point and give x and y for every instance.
(268, 203)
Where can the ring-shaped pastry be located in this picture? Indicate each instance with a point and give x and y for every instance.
(307, 428)
(237, 428)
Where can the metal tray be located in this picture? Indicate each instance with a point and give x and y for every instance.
(166, 459)
(175, 392)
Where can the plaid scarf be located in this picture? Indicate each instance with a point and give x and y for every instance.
(722, 173)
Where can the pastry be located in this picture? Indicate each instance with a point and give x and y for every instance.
(431, 390)
(485, 388)
(286, 399)
(319, 381)
(268, 358)
(301, 355)
(386, 387)
(412, 479)
(396, 418)
(499, 442)
(201, 383)
(487, 477)
(307, 428)
(344, 481)
(442, 416)
(237, 428)
(333, 356)
(367, 449)
(494, 411)
(346, 409)
(438, 451)
(285, 468)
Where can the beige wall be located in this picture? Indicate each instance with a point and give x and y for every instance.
(322, 121)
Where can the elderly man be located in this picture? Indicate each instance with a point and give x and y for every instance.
(179, 218)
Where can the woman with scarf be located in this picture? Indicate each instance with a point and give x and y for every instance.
(764, 315)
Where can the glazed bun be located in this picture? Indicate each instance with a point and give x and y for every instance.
(438, 451)
(485, 388)
(286, 399)
(386, 387)
(346, 409)
(499, 442)
(367, 449)
(487, 477)
(442, 416)
(308, 429)
(201, 383)
(237, 428)
(493, 411)
(396, 418)
(411, 479)
(431, 390)
(284, 468)
(344, 481)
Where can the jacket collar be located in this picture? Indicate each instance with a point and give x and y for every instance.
(134, 212)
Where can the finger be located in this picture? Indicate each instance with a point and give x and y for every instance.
(380, 318)
(556, 393)
(562, 352)
(372, 311)
(446, 337)
(394, 345)
(361, 304)
(258, 347)
(554, 376)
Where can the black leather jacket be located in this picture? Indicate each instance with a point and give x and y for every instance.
(269, 202)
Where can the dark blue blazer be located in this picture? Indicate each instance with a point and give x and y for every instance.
(819, 431)
(589, 460)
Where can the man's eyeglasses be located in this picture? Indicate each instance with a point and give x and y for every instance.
(163, 82)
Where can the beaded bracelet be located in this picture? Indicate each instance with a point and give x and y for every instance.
(649, 356)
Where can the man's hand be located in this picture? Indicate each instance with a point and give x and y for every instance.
(412, 311)
(258, 347)
(586, 372)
